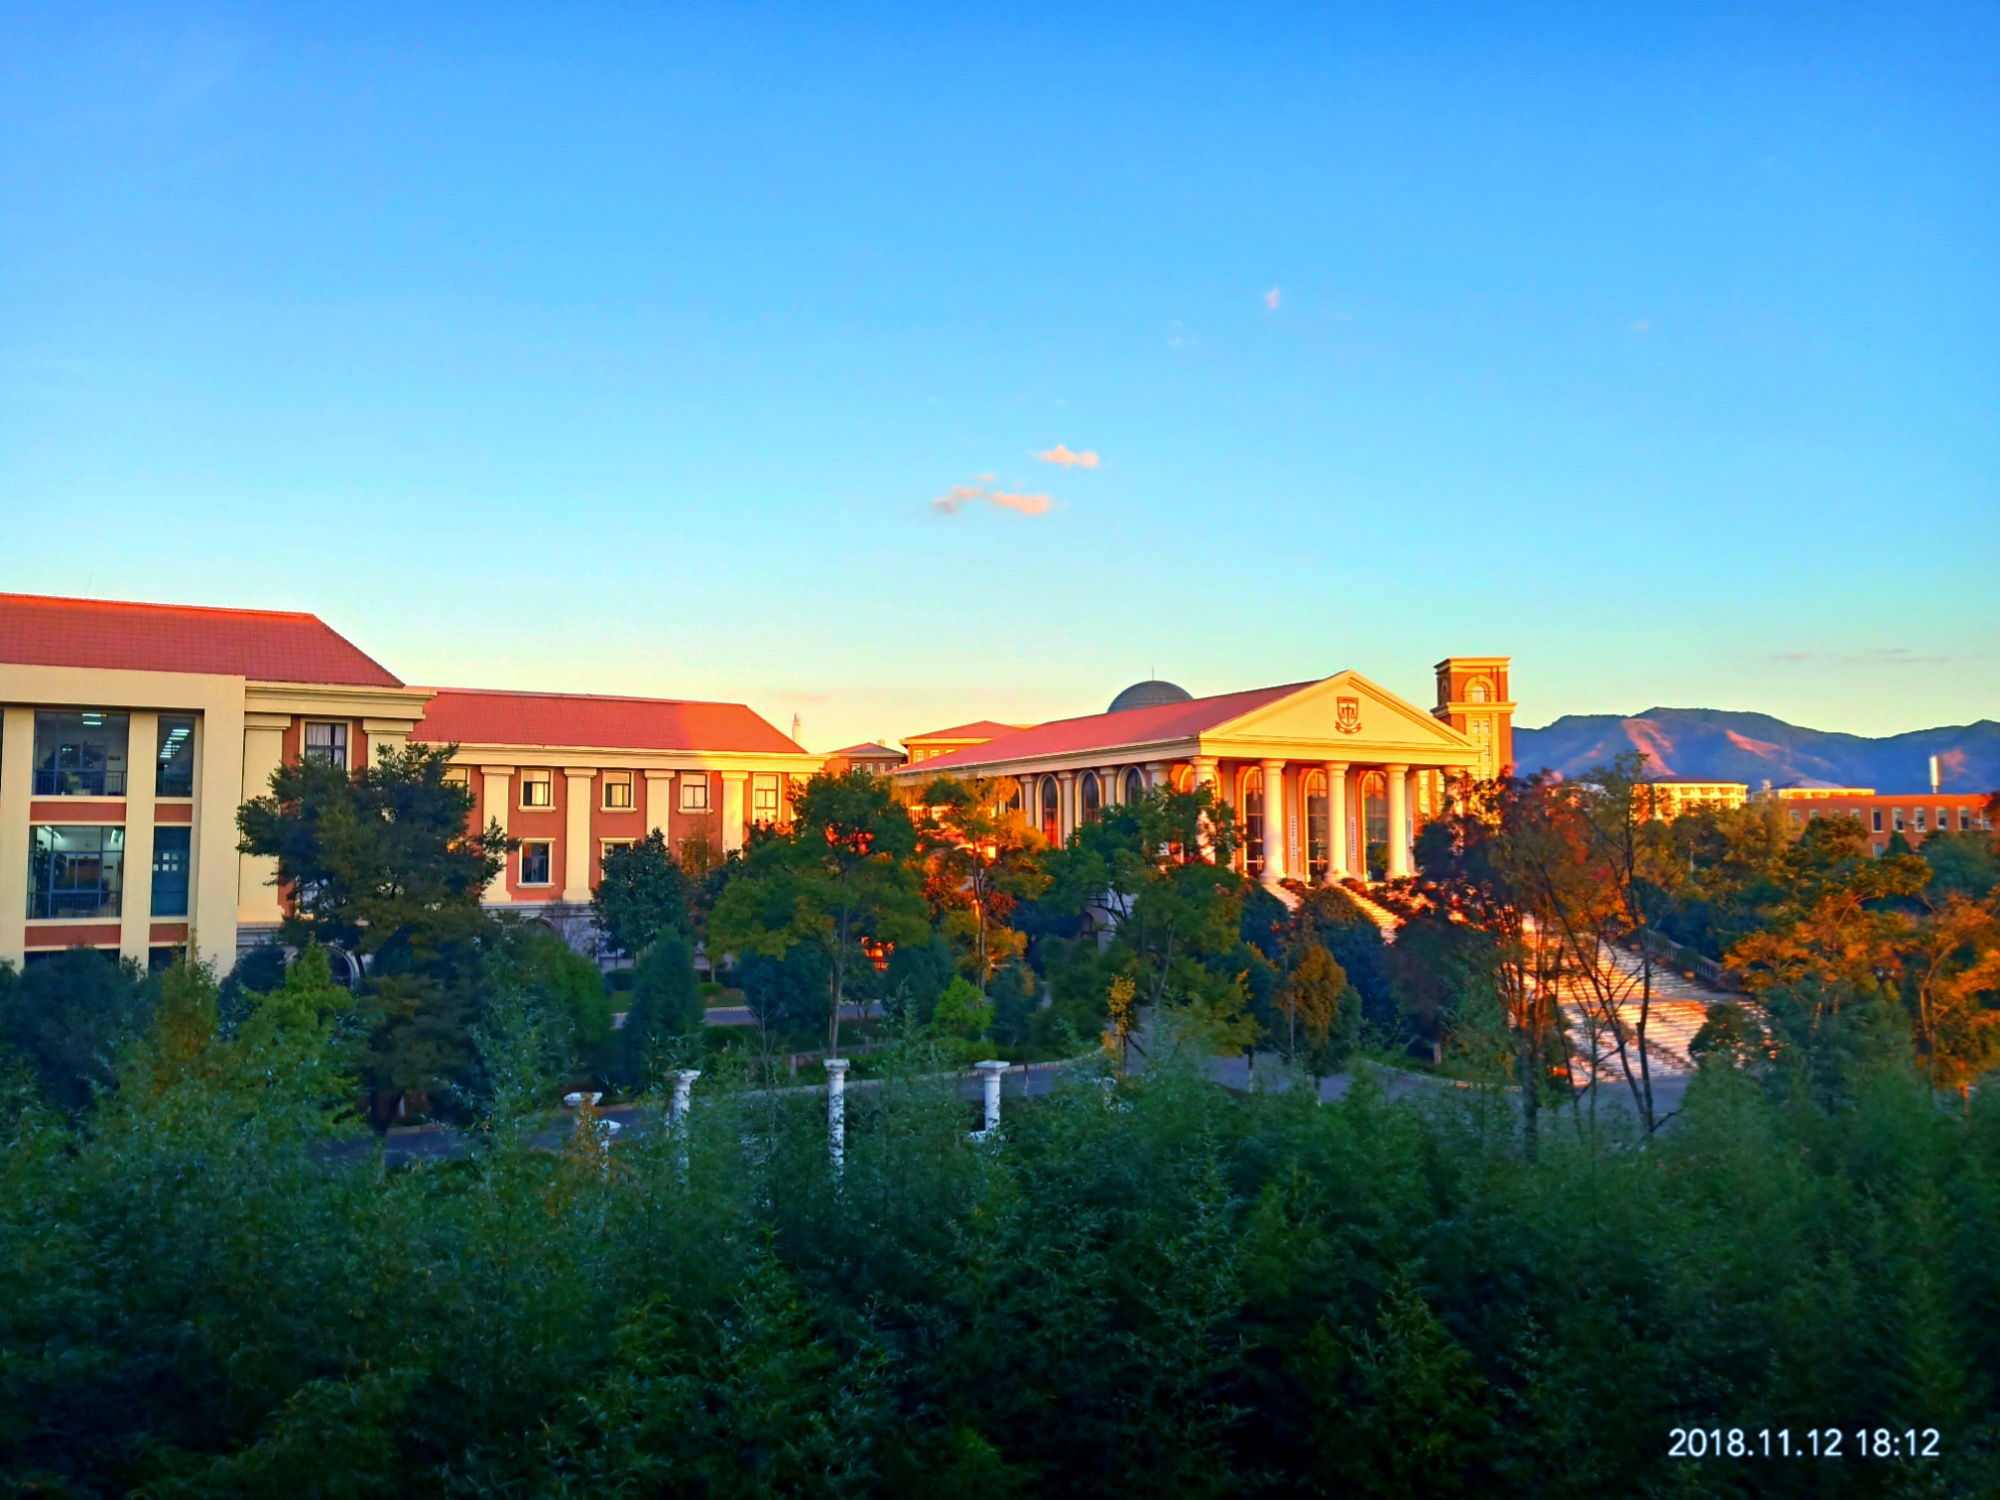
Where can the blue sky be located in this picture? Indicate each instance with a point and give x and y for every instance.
(630, 349)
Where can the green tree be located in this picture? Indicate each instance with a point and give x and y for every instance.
(643, 892)
(1158, 868)
(382, 862)
(843, 875)
(666, 1006)
(70, 1016)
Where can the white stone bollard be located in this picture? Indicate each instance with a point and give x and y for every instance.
(836, 1110)
(683, 1086)
(990, 1074)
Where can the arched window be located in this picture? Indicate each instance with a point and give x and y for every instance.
(1375, 823)
(1479, 691)
(1135, 785)
(1051, 810)
(1090, 800)
(1312, 787)
(1253, 822)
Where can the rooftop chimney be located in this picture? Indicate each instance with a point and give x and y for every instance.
(1934, 775)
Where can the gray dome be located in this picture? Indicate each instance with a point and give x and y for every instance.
(1149, 695)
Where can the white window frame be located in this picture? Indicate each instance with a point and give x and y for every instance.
(548, 846)
(605, 846)
(617, 779)
(777, 791)
(545, 779)
(694, 791)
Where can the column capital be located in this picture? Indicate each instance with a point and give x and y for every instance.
(574, 774)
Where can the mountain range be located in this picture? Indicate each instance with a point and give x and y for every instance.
(1709, 744)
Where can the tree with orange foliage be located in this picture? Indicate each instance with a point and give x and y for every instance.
(981, 859)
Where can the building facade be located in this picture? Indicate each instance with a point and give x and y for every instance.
(1883, 815)
(1672, 796)
(131, 733)
(1331, 779)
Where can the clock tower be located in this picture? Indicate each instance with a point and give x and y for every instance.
(1472, 698)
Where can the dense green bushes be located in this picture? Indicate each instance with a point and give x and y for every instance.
(210, 1286)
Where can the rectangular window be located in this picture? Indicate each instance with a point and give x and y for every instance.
(535, 861)
(1896, 819)
(75, 872)
(1878, 847)
(1918, 826)
(605, 846)
(175, 776)
(1965, 820)
(764, 799)
(538, 789)
(694, 791)
(170, 871)
(1876, 818)
(80, 754)
(458, 776)
(326, 745)
(617, 791)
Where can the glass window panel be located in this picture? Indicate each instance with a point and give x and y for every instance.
(174, 776)
(326, 745)
(694, 791)
(538, 789)
(80, 754)
(617, 789)
(170, 871)
(75, 871)
(535, 863)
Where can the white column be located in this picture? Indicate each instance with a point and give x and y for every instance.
(660, 804)
(1067, 819)
(684, 1080)
(215, 888)
(990, 1074)
(384, 735)
(1336, 819)
(1276, 826)
(581, 788)
(1398, 778)
(1108, 786)
(17, 763)
(1204, 776)
(836, 1110)
(257, 877)
(497, 784)
(1156, 774)
(135, 906)
(732, 809)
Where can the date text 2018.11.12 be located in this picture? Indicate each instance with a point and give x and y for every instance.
(1812, 1442)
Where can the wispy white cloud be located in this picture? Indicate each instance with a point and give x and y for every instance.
(1062, 455)
(985, 478)
(1271, 299)
(1642, 325)
(1027, 505)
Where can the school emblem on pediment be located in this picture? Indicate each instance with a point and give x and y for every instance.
(1347, 715)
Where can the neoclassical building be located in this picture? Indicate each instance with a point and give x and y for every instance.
(1331, 778)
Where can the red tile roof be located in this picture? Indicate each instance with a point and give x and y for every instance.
(983, 729)
(1135, 726)
(873, 752)
(258, 644)
(477, 716)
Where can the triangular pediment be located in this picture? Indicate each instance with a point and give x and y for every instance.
(1345, 716)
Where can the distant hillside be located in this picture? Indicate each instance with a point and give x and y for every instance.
(1712, 744)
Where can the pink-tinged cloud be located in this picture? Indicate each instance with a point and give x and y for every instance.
(1271, 299)
(1027, 505)
(1061, 455)
(955, 499)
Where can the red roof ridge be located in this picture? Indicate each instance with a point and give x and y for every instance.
(192, 609)
(578, 697)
